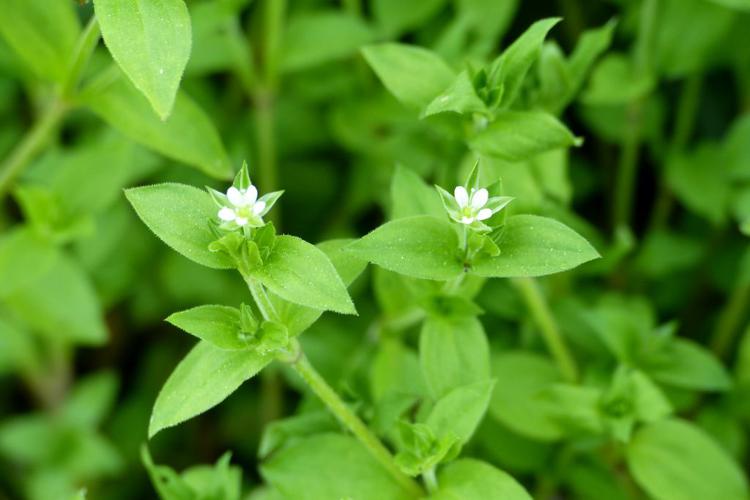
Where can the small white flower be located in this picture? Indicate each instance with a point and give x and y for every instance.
(471, 206)
(245, 207)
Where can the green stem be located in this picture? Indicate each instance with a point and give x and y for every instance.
(730, 318)
(30, 145)
(265, 306)
(684, 124)
(344, 414)
(542, 315)
(83, 50)
(430, 480)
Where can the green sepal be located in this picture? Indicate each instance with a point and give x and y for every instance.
(244, 253)
(242, 179)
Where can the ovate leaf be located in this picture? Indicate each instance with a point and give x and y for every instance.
(218, 325)
(329, 466)
(534, 246)
(470, 479)
(453, 353)
(459, 412)
(23, 257)
(150, 40)
(42, 33)
(674, 459)
(411, 196)
(413, 74)
(203, 379)
(179, 215)
(520, 135)
(188, 135)
(421, 246)
(301, 273)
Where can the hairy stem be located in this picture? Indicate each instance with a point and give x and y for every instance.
(542, 315)
(31, 144)
(345, 415)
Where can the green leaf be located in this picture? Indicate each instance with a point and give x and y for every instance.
(179, 216)
(520, 55)
(17, 349)
(683, 363)
(168, 484)
(453, 353)
(614, 82)
(24, 256)
(329, 466)
(674, 459)
(42, 33)
(516, 402)
(203, 379)
(150, 40)
(218, 325)
(308, 41)
(520, 135)
(460, 411)
(92, 398)
(395, 17)
(470, 479)
(411, 196)
(700, 180)
(590, 46)
(460, 97)
(188, 135)
(300, 272)
(421, 246)
(61, 304)
(413, 74)
(535, 246)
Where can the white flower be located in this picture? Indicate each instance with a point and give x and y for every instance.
(471, 206)
(245, 207)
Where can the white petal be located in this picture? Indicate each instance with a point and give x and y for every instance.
(250, 196)
(235, 197)
(227, 214)
(479, 199)
(484, 214)
(241, 221)
(259, 207)
(462, 197)
(467, 220)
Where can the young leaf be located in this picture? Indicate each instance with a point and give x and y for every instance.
(411, 196)
(329, 466)
(42, 33)
(203, 379)
(179, 215)
(521, 377)
(520, 135)
(535, 246)
(520, 55)
(218, 325)
(24, 256)
(674, 459)
(683, 363)
(421, 246)
(188, 135)
(394, 18)
(150, 40)
(61, 303)
(307, 41)
(470, 479)
(453, 353)
(413, 74)
(460, 97)
(460, 411)
(299, 272)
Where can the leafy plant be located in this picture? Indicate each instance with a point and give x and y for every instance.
(531, 273)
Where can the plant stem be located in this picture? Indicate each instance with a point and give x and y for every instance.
(683, 129)
(430, 480)
(542, 315)
(342, 412)
(265, 306)
(30, 145)
(83, 50)
(730, 318)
